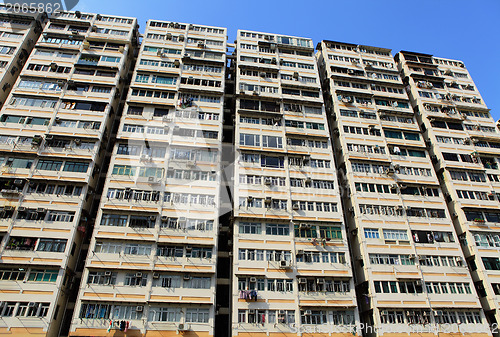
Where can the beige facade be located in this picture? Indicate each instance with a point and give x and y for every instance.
(411, 276)
(464, 143)
(291, 265)
(165, 186)
(152, 258)
(54, 129)
(18, 34)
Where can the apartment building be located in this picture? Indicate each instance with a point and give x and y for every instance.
(151, 267)
(291, 265)
(411, 275)
(464, 144)
(18, 34)
(54, 126)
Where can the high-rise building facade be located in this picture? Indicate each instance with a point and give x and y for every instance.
(411, 275)
(355, 194)
(291, 265)
(152, 259)
(18, 33)
(54, 127)
(465, 146)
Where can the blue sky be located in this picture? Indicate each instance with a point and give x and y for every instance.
(459, 29)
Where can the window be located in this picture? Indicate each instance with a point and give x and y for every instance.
(124, 170)
(49, 165)
(330, 232)
(75, 167)
(136, 279)
(137, 249)
(249, 139)
(277, 229)
(491, 263)
(196, 282)
(60, 216)
(108, 247)
(394, 234)
(250, 228)
(12, 274)
(52, 245)
(272, 141)
(197, 315)
(100, 277)
(372, 233)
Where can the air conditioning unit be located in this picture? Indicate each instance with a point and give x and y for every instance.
(285, 264)
(182, 327)
(139, 308)
(138, 275)
(156, 275)
(253, 279)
